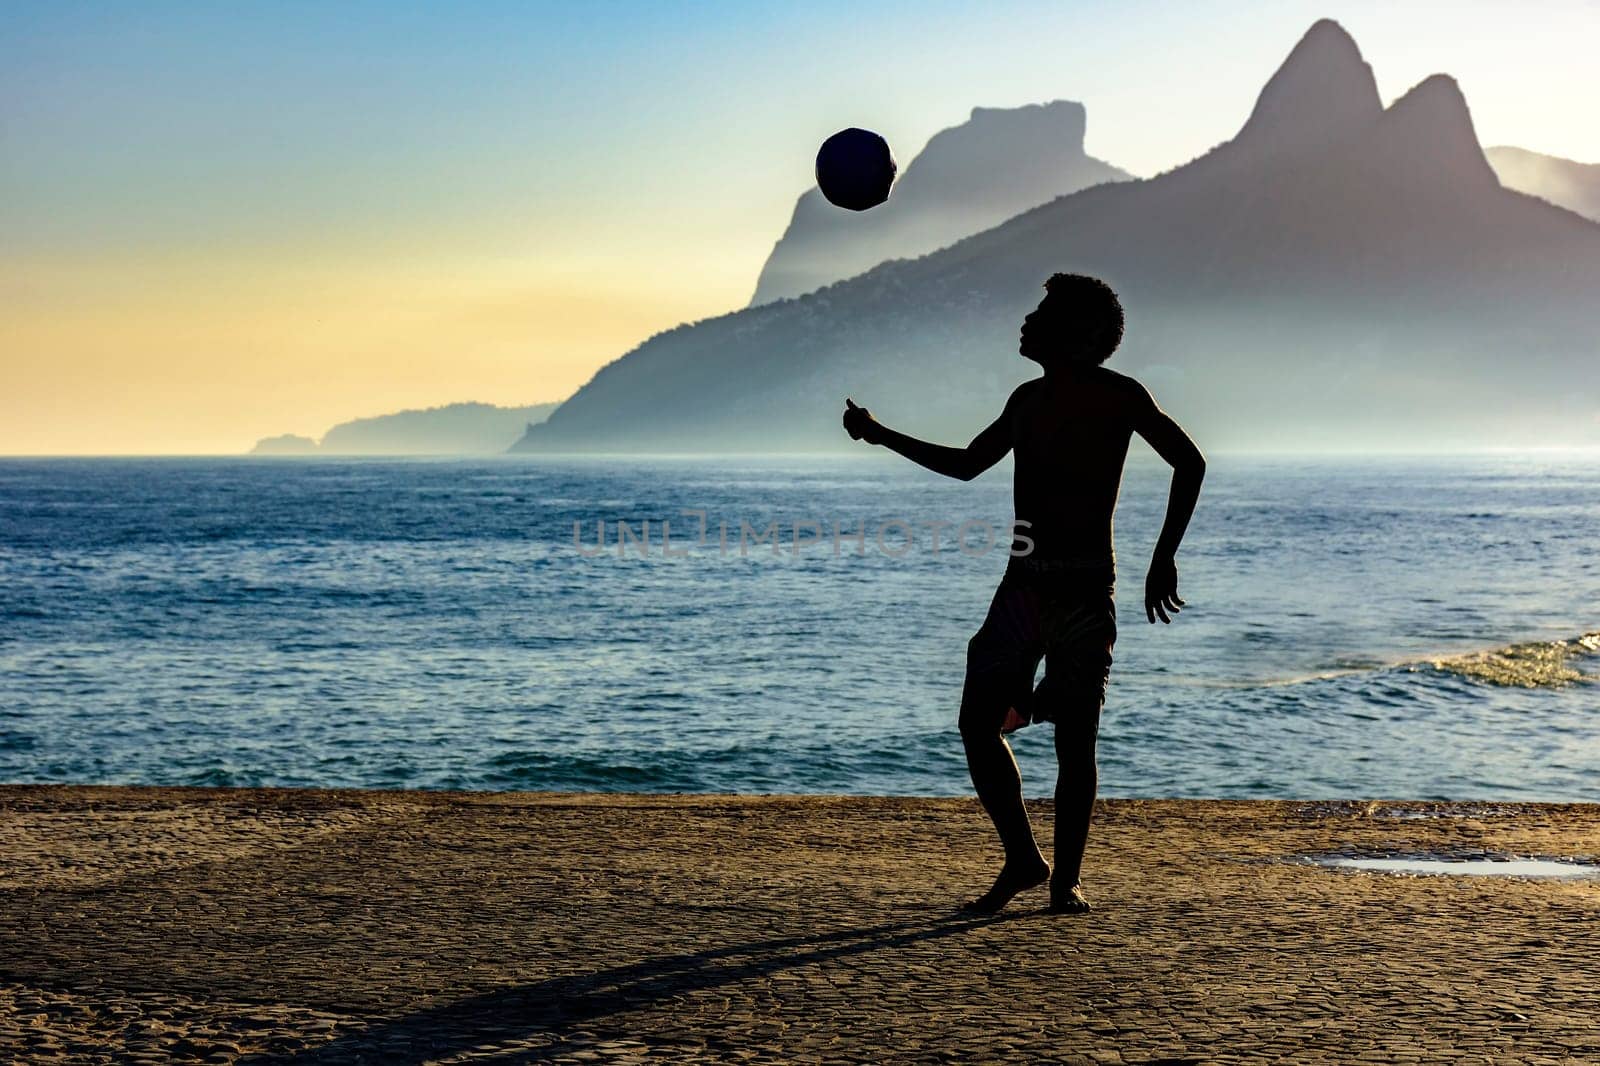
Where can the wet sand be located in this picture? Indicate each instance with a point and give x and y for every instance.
(156, 925)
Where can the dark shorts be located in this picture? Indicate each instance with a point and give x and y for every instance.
(1063, 612)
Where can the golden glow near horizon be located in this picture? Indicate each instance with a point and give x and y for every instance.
(218, 225)
(188, 358)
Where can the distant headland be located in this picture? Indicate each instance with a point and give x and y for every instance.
(451, 429)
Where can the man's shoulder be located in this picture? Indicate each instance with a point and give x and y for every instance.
(1119, 380)
(1021, 393)
(1126, 386)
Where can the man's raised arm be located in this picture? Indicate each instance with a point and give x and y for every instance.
(1188, 470)
(986, 449)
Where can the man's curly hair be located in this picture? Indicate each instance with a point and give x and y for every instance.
(1091, 305)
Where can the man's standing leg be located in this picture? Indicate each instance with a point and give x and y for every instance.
(1077, 780)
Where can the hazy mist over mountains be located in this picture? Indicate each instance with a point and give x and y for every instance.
(1574, 186)
(952, 189)
(453, 429)
(1337, 276)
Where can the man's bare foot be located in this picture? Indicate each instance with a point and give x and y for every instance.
(1014, 877)
(1070, 900)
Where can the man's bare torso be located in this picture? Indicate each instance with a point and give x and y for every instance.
(1070, 437)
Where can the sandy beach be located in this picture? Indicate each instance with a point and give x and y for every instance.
(156, 925)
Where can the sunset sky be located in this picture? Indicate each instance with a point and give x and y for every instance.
(220, 222)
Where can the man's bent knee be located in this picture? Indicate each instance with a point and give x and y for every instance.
(983, 701)
(980, 719)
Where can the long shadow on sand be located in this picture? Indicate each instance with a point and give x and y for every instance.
(553, 1008)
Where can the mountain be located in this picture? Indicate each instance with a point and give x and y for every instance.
(1338, 275)
(1574, 186)
(952, 189)
(286, 444)
(453, 429)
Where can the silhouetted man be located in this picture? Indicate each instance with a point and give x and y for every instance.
(1070, 431)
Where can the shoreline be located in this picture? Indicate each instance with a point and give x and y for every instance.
(324, 926)
(1043, 801)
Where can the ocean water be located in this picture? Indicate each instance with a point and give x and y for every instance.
(1384, 627)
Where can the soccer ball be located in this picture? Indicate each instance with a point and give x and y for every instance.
(855, 169)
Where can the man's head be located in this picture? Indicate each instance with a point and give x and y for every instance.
(1078, 321)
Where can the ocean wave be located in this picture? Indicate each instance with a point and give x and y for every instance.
(1534, 664)
(1529, 664)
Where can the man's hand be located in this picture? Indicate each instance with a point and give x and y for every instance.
(859, 423)
(1161, 590)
